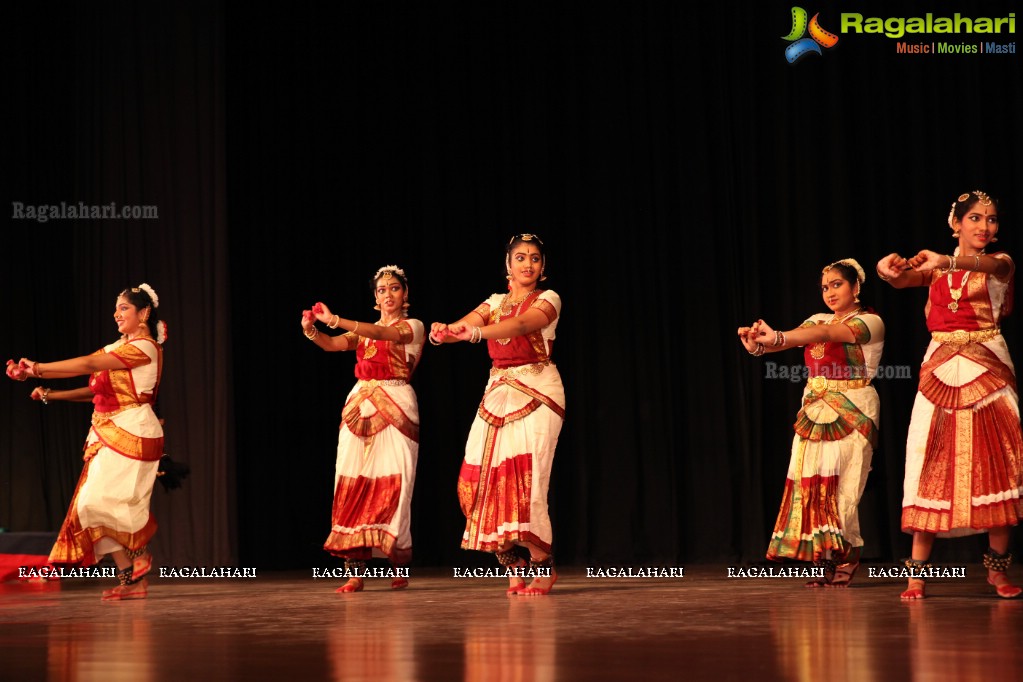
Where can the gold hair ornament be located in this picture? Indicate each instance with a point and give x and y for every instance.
(861, 277)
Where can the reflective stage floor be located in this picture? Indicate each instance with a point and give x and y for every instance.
(288, 626)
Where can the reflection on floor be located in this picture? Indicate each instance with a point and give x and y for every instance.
(290, 626)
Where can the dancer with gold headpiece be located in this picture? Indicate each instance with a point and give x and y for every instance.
(964, 449)
(503, 484)
(378, 443)
(109, 513)
(836, 429)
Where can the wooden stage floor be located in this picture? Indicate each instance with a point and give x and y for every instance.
(705, 626)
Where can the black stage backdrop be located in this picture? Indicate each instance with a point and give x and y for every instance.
(684, 176)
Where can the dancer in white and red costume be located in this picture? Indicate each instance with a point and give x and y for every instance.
(836, 428)
(109, 513)
(506, 473)
(378, 443)
(964, 449)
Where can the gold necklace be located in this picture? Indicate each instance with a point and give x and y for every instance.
(506, 305)
(817, 349)
(956, 294)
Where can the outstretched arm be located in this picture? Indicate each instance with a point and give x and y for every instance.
(925, 261)
(899, 272)
(774, 341)
(86, 364)
(75, 395)
(520, 325)
(441, 333)
(368, 329)
(324, 341)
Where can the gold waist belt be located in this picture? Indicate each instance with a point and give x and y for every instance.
(822, 384)
(962, 337)
(535, 368)
(382, 382)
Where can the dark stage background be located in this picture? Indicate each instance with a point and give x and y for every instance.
(684, 176)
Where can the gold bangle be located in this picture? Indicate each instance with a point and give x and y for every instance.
(311, 334)
(45, 393)
(432, 342)
(355, 329)
(334, 322)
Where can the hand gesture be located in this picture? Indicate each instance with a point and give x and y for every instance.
(764, 332)
(322, 313)
(925, 261)
(892, 265)
(746, 339)
(25, 369)
(462, 332)
(15, 371)
(38, 393)
(30, 367)
(308, 318)
(438, 330)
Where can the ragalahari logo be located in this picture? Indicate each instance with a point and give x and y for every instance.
(802, 46)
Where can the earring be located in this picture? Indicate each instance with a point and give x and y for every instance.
(376, 307)
(955, 235)
(994, 239)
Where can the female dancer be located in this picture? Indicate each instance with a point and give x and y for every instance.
(963, 469)
(109, 512)
(503, 484)
(378, 443)
(836, 429)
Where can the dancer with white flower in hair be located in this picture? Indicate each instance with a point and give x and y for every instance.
(109, 513)
(836, 429)
(964, 473)
(505, 475)
(378, 443)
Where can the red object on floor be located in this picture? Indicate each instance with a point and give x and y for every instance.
(10, 563)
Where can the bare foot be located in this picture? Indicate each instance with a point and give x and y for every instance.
(137, 590)
(540, 586)
(353, 585)
(915, 590)
(1004, 588)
